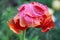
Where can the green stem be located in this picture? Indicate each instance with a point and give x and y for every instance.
(47, 36)
(24, 35)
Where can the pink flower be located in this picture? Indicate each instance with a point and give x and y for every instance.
(32, 15)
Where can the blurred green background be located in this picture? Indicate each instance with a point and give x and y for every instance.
(8, 9)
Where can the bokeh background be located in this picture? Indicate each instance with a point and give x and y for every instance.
(8, 9)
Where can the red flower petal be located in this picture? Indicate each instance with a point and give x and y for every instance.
(15, 27)
(47, 24)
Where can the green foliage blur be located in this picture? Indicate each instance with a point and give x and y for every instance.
(8, 9)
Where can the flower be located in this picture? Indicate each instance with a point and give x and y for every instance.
(34, 15)
(56, 5)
